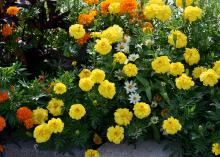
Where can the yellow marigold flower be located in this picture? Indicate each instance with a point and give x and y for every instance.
(92, 153)
(59, 88)
(163, 13)
(150, 11)
(216, 149)
(97, 139)
(107, 89)
(55, 107)
(77, 111)
(184, 82)
(77, 31)
(192, 13)
(85, 73)
(86, 84)
(191, 56)
(39, 115)
(6, 30)
(103, 46)
(115, 134)
(114, 8)
(114, 34)
(179, 3)
(177, 39)
(171, 126)
(159, 2)
(161, 64)
(217, 67)
(98, 75)
(130, 70)
(120, 57)
(56, 125)
(209, 78)
(12, 10)
(142, 110)
(42, 133)
(91, 2)
(176, 68)
(198, 71)
(123, 116)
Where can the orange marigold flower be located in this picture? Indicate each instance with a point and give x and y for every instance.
(13, 10)
(29, 123)
(2, 123)
(83, 40)
(164, 112)
(23, 113)
(91, 2)
(6, 30)
(104, 6)
(148, 27)
(128, 6)
(3, 96)
(2, 149)
(97, 139)
(85, 19)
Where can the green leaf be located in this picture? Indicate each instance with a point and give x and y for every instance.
(147, 87)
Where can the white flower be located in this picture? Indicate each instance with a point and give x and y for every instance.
(130, 87)
(154, 120)
(134, 98)
(133, 57)
(149, 42)
(127, 38)
(122, 47)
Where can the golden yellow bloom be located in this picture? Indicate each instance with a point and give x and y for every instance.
(191, 56)
(92, 153)
(163, 13)
(42, 133)
(55, 107)
(77, 31)
(198, 71)
(171, 126)
(91, 2)
(217, 67)
(161, 64)
(107, 89)
(85, 73)
(123, 116)
(103, 46)
(114, 8)
(150, 11)
(216, 149)
(114, 34)
(98, 75)
(96, 34)
(59, 88)
(120, 57)
(177, 39)
(179, 3)
(77, 111)
(142, 110)
(86, 84)
(56, 125)
(12, 10)
(176, 68)
(130, 70)
(209, 77)
(192, 13)
(184, 82)
(115, 134)
(39, 115)
(97, 139)
(159, 2)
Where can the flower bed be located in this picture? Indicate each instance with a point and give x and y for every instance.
(113, 70)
